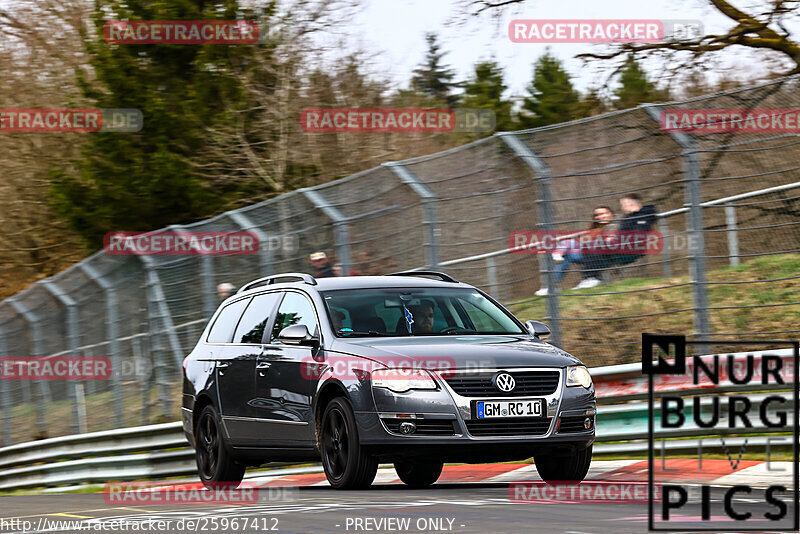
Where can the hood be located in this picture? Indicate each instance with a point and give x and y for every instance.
(459, 352)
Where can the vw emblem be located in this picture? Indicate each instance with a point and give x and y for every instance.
(504, 382)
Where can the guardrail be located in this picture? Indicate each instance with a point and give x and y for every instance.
(158, 451)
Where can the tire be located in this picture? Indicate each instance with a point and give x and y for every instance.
(419, 473)
(564, 467)
(346, 464)
(214, 463)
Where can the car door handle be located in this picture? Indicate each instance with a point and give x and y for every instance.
(262, 368)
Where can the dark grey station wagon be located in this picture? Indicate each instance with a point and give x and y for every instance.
(415, 369)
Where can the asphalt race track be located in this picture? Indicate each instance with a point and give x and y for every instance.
(448, 507)
(466, 507)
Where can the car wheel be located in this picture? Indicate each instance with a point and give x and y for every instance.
(418, 474)
(346, 464)
(214, 464)
(564, 467)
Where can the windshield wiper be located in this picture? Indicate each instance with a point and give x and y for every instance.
(348, 332)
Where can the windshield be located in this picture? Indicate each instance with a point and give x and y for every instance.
(416, 312)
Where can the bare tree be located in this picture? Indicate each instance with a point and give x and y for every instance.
(264, 150)
(40, 53)
(763, 27)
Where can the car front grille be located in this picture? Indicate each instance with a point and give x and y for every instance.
(528, 383)
(508, 427)
(425, 427)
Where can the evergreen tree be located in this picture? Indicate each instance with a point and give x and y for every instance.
(485, 90)
(144, 180)
(636, 88)
(552, 98)
(433, 79)
(590, 104)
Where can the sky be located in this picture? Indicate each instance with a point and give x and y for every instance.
(393, 32)
(396, 29)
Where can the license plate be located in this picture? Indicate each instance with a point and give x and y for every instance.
(511, 408)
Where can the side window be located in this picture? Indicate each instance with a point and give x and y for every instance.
(226, 321)
(294, 309)
(255, 318)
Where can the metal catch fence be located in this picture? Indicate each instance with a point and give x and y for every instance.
(728, 205)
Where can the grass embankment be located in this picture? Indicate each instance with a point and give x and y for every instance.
(642, 296)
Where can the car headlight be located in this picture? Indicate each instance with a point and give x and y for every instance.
(578, 375)
(402, 380)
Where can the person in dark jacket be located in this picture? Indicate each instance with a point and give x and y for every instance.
(322, 265)
(638, 218)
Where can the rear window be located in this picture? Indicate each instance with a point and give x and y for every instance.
(228, 318)
(255, 319)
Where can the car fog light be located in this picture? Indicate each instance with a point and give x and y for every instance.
(407, 428)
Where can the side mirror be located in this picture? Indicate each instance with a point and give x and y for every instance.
(537, 329)
(297, 334)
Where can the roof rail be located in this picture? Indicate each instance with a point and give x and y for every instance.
(442, 276)
(306, 278)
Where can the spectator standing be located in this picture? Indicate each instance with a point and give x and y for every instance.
(225, 290)
(322, 265)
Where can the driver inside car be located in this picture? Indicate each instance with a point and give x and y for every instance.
(423, 317)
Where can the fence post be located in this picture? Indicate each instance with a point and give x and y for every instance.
(666, 254)
(697, 248)
(209, 287)
(38, 350)
(78, 423)
(733, 234)
(546, 222)
(207, 270)
(264, 251)
(136, 349)
(4, 394)
(429, 203)
(112, 334)
(160, 321)
(157, 299)
(491, 274)
(339, 223)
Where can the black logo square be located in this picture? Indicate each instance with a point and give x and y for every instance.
(657, 344)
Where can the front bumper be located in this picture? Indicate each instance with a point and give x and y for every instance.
(433, 410)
